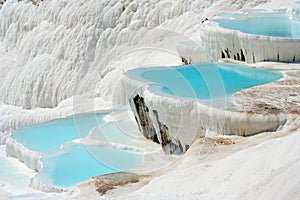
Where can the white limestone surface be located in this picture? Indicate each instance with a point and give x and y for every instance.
(256, 48)
(60, 48)
(23, 154)
(264, 171)
(190, 119)
(48, 54)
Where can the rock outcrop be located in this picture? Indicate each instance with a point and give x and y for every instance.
(217, 42)
(147, 125)
(176, 123)
(143, 119)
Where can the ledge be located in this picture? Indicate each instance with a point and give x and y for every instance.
(176, 123)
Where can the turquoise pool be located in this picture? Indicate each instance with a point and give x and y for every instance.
(203, 81)
(48, 137)
(77, 163)
(267, 24)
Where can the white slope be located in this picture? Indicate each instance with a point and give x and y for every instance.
(61, 48)
(266, 171)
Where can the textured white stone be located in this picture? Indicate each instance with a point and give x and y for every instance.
(31, 158)
(62, 48)
(190, 119)
(51, 55)
(256, 48)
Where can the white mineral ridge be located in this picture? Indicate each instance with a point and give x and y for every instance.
(61, 48)
(266, 171)
(18, 150)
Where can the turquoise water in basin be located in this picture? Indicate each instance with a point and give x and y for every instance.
(48, 137)
(12, 174)
(78, 163)
(275, 25)
(203, 81)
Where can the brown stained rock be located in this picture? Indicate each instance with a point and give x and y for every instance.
(169, 145)
(280, 97)
(268, 108)
(292, 82)
(143, 119)
(224, 141)
(105, 183)
(217, 141)
(207, 140)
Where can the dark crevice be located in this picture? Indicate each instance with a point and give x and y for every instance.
(143, 119)
(294, 58)
(238, 56)
(167, 143)
(243, 58)
(184, 61)
(204, 20)
(180, 146)
(187, 147)
(223, 55)
(227, 52)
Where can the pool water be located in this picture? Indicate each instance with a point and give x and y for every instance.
(48, 137)
(116, 132)
(203, 81)
(274, 24)
(78, 163)
(12, 175)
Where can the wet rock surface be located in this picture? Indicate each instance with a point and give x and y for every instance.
(280, 97)
(109, 182)
(143, 119)
(167, 143)
(146, 124)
